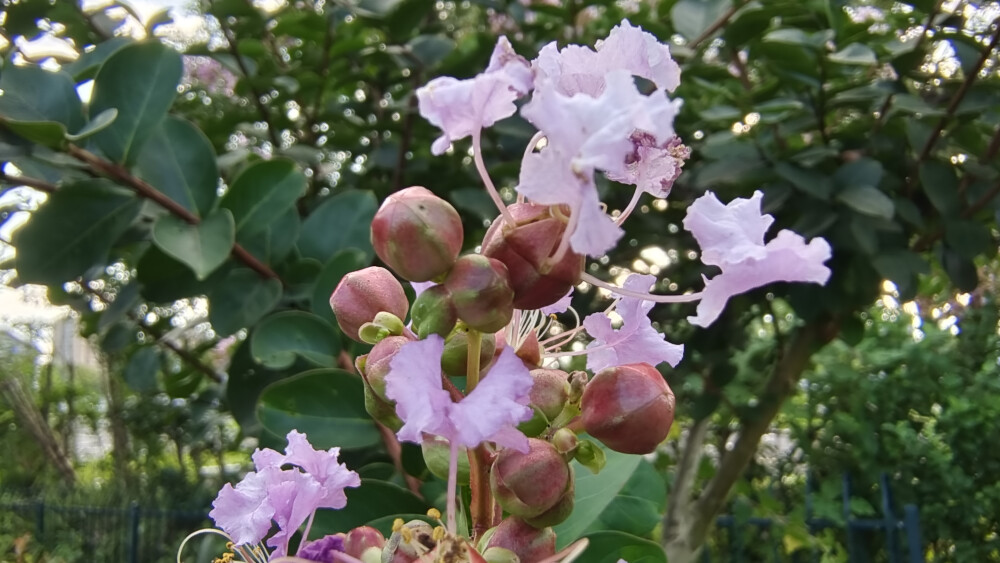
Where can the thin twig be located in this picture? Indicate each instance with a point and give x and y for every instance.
(716, 26)
(40, 185)
(120, 174)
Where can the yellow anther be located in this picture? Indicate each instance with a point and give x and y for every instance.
(229, 546)
(439, 533)
(434, 513)
(398, 524)
(407, 534)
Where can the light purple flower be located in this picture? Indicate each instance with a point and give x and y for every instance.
(732, 238)
(462, 107)
(286, 496)
(322, 550)
(488, 413)
(577, 69)
(652, 167)
(560, 306)
(636, 341)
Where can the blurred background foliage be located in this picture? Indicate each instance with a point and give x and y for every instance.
(194, 182)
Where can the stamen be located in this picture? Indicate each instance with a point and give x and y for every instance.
(477, 156)
(397, 524)
(434, 513)
(630, 208)
(686, 298)
(439, 532)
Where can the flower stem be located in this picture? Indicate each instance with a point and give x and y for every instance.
(481, 503)
(686, 298)
(631, 207)
(472, 365)
(452, 486)
(305, 534)
(477, 156)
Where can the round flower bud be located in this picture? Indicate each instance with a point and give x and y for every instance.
(565, 441)
(433, 312)
(362, 295)
(480, 290)
(559, 512)
(628, 408)
(362, 538)
(527, 542)
(549, 394)
(500, 555)
(376, 365)
(437, 455)
(526, 248)
(456, 352)
(417, 234)
(528, 484)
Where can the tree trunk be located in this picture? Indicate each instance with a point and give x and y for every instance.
(688, 521)
(31, 420)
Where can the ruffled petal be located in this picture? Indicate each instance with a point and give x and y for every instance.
(495, 406)
(414, 383)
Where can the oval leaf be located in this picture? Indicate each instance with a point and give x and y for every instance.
(262, 193)
(352, 213)
(73, 231)
(868, 200)
(278, 339)
(240, 300)
(32, 94)
(100, 122)
(326, 404)
(179, 160)
(203, 247)
(140, 81)
(610, 547)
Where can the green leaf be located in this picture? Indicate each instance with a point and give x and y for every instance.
(273, 244)
(32, 94)
(263, 192)
(178, 160)
(203, 247)
(341, 222)
(940, 183)
(854, 54)
(430, 49)
(373, 502)
(140, 81)
(968, 238)
(791, 36)
(50, 134)
(343, 263)
(141, 369)
(279, 338)
(98, 123)
(594, 493)
(868, 200)
(326, 404)
(240, 300)
(637, 509)
(126, 298)
(961, 271)
(73, 231)
(691, 18)
(610, 547)
(809, 181)
(860, 172)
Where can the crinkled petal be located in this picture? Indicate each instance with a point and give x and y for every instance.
(728, 233)
(653, 169)
(324, 466)
(516, 68)
(640, 53)
(264, 458)
(295, 497)
(595, 232)
(244, 512)
(414, 383)
(787, 258)
(547, 178)
(560, 306)
(323, 549)
(636, 341)
(495, 406)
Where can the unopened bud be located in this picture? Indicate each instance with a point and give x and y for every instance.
(628, 408)
(500, 555)
(527, 542)
(549, 393)
(528, 484)
(362, 538)
(565, 441)
(559, 512)
(526, 248)
(362, 295)
(437, 455)
(480, 290)
(433, 312)
(417, 234)
(377, 363)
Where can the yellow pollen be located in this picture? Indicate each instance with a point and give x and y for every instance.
(229, 546)
(439, 533)
(434, 513)
(407, 534)
(397, 524)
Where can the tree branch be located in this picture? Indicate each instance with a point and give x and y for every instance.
(120, 174)
(40, 185)
(716, 26)
(677, 519)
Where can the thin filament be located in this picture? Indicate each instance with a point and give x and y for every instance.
(452, 485)
(686, 298)
(477, 156)
(630, 208)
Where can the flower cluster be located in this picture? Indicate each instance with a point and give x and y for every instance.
(477, 366)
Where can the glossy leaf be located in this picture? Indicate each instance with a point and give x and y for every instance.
(73, 231)
(691, 18)
(141, 369)
(263, 192)
(100, 122)
(140, 81)
(31, 94)
(940, 183)
(240, 299)
(273, 244)
(868, 200)
(373, 502)
(611, 547)
(203, 247)
(279, 338)
(328, 405)
(854, 54)
(179, 161)
(341, 222)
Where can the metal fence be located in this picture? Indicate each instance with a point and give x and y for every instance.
(890, 538)
(126, 534)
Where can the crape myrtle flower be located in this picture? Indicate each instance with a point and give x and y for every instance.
(732, 238)
(288, 497)
(462, 107)
(636, 341)
(489, 413)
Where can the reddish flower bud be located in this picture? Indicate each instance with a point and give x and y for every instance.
(363, 294)
(529, 543)
(530, 351)
(362, 538)
(376, 365)
(433, 312)
(528, 484)
(560, 510)
(549, 395)
(480, 290)
(455, 358)
(628, 408)
(526, 248)
(417, 234)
